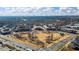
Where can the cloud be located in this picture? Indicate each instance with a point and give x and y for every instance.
(38, 11)
(69, 10)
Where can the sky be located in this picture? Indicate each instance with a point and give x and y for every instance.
(38, 11)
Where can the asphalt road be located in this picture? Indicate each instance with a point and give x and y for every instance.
(60, 45)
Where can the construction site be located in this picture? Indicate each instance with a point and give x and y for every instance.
(34, 41)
